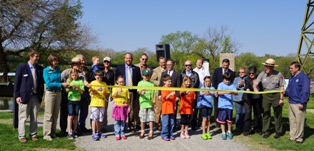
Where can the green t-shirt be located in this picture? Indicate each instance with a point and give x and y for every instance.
(147, 99)
(74, 95)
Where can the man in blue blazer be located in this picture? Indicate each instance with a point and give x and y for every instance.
(28, 93)
(217, 78)
(124, 70)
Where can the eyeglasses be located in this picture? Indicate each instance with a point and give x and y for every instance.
(188, 65)
(252, 73)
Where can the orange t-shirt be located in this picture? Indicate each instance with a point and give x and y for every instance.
(168, 105)
(186, 102)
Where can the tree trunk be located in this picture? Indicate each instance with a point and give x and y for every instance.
(4, 67)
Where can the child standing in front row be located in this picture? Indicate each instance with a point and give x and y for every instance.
(168, 100)
(205, 104)
(147, 101)
(120, 108)
(225, 105)
(75, 90)
(98, 92)
(186, 106)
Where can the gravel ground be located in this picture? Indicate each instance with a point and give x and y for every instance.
(133, 142)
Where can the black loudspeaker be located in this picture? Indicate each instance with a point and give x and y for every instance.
(162, 50)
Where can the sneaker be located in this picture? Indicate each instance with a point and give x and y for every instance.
(209, 136)
(95, 137)
(187, 135)
(101, 135)
(173, 138)
(277, 136)
(118, 137)
(165, 138)
(75, 134)
(230, 136)
(70, 136)
(182, 135)
(123, 137)
(223, 136)
(204, 136)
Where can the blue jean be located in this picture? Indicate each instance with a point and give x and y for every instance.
(84, 103)
(240, 113)
(167, 122)
(119, 127)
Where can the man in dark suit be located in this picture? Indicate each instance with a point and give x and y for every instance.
(175, 82)
(28, 93)
(217, 78)
(132, 76)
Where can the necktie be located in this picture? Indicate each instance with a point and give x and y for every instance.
(34, 79)
(129, 77)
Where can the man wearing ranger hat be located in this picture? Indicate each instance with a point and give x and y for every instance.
(271, 80)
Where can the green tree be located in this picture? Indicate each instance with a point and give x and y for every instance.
(46, 26)
(247, 60)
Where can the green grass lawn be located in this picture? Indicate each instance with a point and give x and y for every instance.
(283, 143)
(10, 142)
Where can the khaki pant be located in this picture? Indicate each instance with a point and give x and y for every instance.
(30, 109)
(158, 111)
(296, 122)
(52, 108)
(272, 100)
(104, 123)
(134, 105)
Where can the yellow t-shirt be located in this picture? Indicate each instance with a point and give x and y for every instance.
(98, 99)
(122, 97)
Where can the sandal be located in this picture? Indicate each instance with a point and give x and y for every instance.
(150, 136)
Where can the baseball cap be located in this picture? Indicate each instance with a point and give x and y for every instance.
(107, 59)
(145, 72)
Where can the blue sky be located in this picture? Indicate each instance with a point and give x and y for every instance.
(261, 27)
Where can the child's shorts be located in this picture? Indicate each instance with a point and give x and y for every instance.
(185, 119)
(206, 112)
(73, 107)
(224, 115)
(147, 115)
(97, 113)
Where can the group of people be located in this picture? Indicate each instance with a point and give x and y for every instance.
(77, 90)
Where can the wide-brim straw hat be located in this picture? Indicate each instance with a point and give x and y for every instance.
(270, 62)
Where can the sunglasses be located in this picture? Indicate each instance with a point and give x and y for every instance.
(252, 73)
(144, 59)
(106, 62)
(241, 72)
(188, 65)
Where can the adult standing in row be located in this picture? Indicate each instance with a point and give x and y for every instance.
(201, 71)
(237, 99)
(155, 78)
(195, 84)
(108, 77)
(52, 77)
(28, 92)
(217, 78)
(271, 80)
(298, 91)
(75, 64)
(85, 99)
(252, 101)
(143, 63)
(176, 79)
(132, 76)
